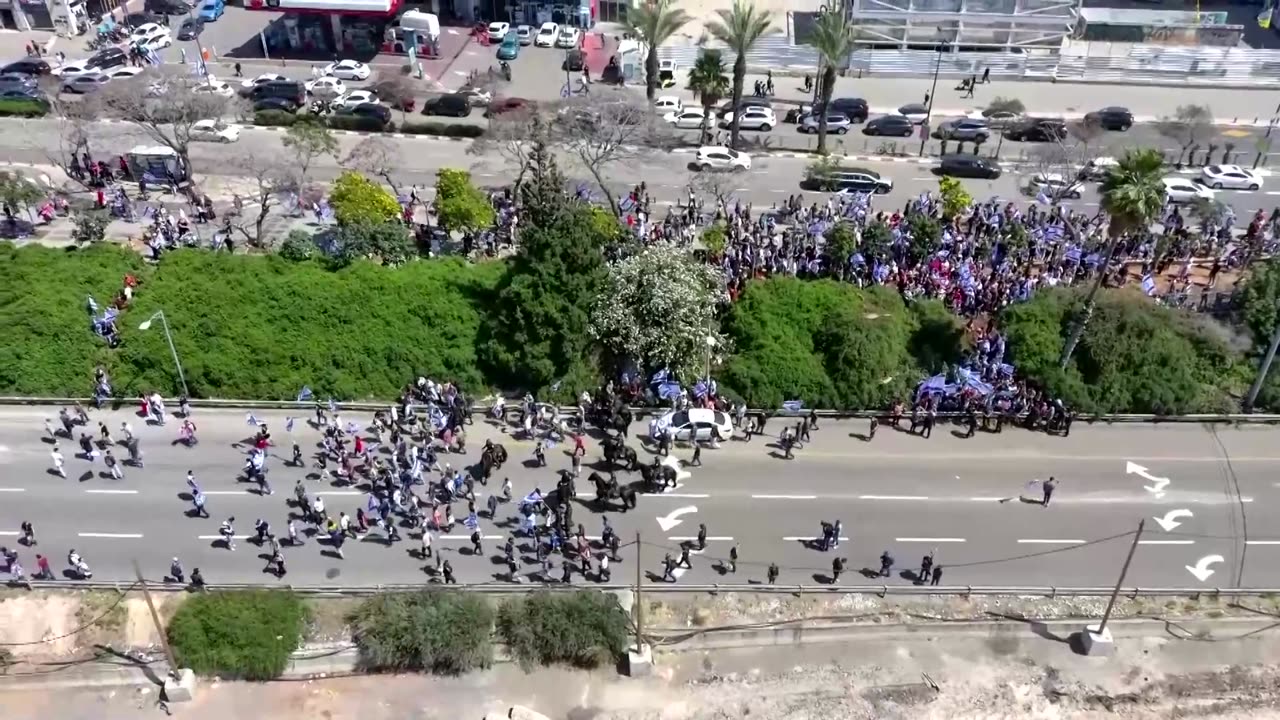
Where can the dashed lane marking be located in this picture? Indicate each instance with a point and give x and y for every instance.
(121, 536)
(892, 497)
(8, 533)
(112, 492)
(690, 538)
(1049, 541)
(928, 540)
(468, 537)
(681, 495)
(784, 497)
(985, 499)
(13, 489)
(219, 537)
(1262, 542)
(794, 538)
(1166, 542)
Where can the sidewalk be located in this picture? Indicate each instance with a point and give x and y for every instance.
(1069, 100)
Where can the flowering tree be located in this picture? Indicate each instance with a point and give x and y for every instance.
(658, 308)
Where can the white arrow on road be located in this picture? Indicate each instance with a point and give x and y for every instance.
(1201, 569)
(1170, 519)
(673, 462)
(672, 519)
(1133, 468)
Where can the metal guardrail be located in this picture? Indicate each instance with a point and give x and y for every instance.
(304, 408)
(662, 588)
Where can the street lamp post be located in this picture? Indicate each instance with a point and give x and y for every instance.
(146, 325)
(928, 110)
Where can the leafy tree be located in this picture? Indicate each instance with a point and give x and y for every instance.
(834, 37)
(90, 226)
(1004, 104)
(247, 634)
(708, 83)
(459, 204)
(876, 239)
(298, 246)
(307, 140)
(714, 239)
(926, 235)
(357, 199)
(655, 21)
(1261, 302)
(584, 629)
(18, 192)
(442, 633)
(388, 241)
(841, 244)
(739, 27)
(866, 357)
(658, 309)
(955, 199)
(542, 195)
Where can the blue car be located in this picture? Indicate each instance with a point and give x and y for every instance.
(211, 10)
(510, 47)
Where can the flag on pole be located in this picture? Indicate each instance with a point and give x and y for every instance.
(288, 424)
(304, 394)
(1264, 17)
(532, 498)
(1149, 285)
(472, 522)
(1043, 198)
(251, 420)
(333, 406)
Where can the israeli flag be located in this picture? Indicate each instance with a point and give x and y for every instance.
(288, 424)
(304, 394)
(251, 420)
(627, 204)
(1054, 233)
(937, 383)
(532, 498)
(555, 386)
(93, 305)
(700, 390)
(353, 428)
(793, 405)
(333, 406)
(660, 376)
(472, 522)
(1149, 285)
(437, 416)
(1043, 198)
(1073, 254)
(668, 390)
(110, 315)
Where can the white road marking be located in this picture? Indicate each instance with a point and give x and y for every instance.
(679, 572)
(8, 533)
(892, 497)
(1262, 542)
(112, 492)
(1246, 499)
(710, 538)
(1166, 542)
(693, 496)
(929, 540)
(1049, 541)
(468, 537)
(13, 489)
(672, 519)
(219, 537)
(348, 493)
(784, 497)
(130, 536)
(227, 492)
(793, 538)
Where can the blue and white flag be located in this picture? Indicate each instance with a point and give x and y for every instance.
(555, 385)
(288, 424)
(1043, 198)
(1073, 254)
(627, 204)
(793, 405)
(304, 394)
(937, 383)
(1054, 233)
(333, 406)
(700, 389)
(668, 390)
(251, 420)
(437, 416)
(472, 522)
(353, 428)
(532, 498)
(93, 305)
(660, 376)
(1149, 285)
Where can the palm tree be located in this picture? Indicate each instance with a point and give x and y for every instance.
(739, 27)
(1132, 196)
(708, 83)
(833, 37)
(655, 22)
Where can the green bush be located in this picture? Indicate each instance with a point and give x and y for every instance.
(1135, 356)
(440, 632)
(831, 344)
(274, 118)
(359, 123)
(432, 127)
(13, 107)
(1261, 301)
(583, 629)
(247, 634)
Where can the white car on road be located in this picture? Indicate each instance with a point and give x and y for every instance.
(357, 97)
(1054, 186)
(348, 70)
(689, 119)
(498, 30)
(158, 39)
(251, 83)
(568, 38)
(1230, 176)
(144, 30)
(668, 104)
(214, 131)
(547, 34)
(694, 423)
(718, 157)
(754, 117)
(1182, 190)
(75, 69)
(214, 86)
(326, 87)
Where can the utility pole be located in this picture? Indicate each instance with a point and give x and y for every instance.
(1256, 387)
(155, 619)
(1095, 638)
(639, 603)
(1077, 331)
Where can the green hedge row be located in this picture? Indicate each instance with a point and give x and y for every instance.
(10, 107)
(362, 331)
(280, 118)
(246, 635)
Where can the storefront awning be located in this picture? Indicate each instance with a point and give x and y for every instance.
(368, 7)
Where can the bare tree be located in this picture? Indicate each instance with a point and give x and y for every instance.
(1189, 125)
(396, 89)
(307, 140)
(164, 103)
(513, 135)
(719, 186)
(273, 177)
(379, 157)
(604, 128)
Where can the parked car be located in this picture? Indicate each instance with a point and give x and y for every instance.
(837, 123)
(574, 61)
(75, 69)
(28, 66)
(247, 86)
(502, 106)
(1037, 130)
(167, 7)
(915, 112)
(897, 125)
(969, 129)
(718, 157)
(348, 70)
(290, 90)
(668, 104)
(855, 108)
(498, 31)
(140, 33)
(214, 131)
(968, 166)
(858, 180)
(1111, 118)
(1054, 186)
(156, 41)
(525, 34)
(108, 57)
(693, 424)
(547, 34)
(568, 38)
(478, 97)
(83, 84)
(211, 10)
(374, 111)
(509, 49)
(283, 104)
(133, 20)
(690, 118)
(752, 118)
(190, 28)
(1230, 176)
(1097, 169)
(1182, 190)
(214, 86)
(998, 119)
(15, 81)
(453, 104)
(326, 87)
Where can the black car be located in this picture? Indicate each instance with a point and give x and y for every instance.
(1111, 118)
(574, 61)
(898, 125)
(190, 29)
(107, 58)
(855, 108)
(17, 81)
(28, 66)
(373, 111)
(968, 166)
(1033, 130)
(454, 104)
(290, 90)
(276, 103)
(139, 19)
(167, 7)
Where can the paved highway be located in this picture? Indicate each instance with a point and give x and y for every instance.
(905, 494)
